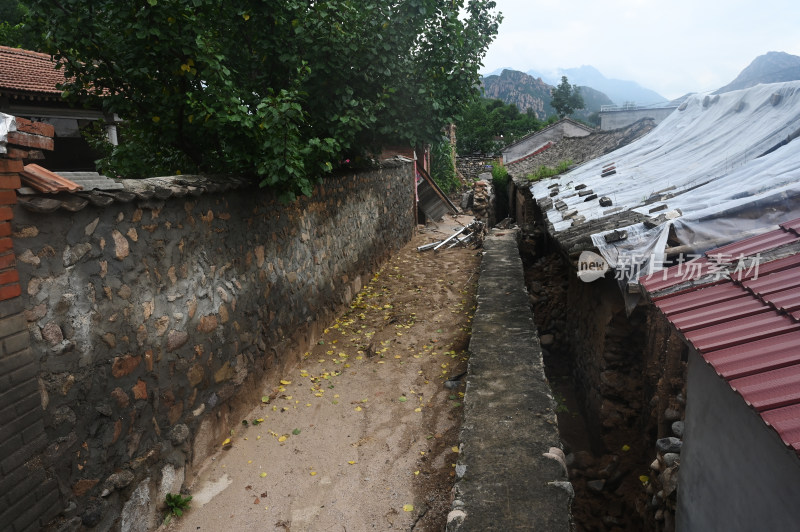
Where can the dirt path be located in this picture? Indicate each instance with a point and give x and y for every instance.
(364, 434)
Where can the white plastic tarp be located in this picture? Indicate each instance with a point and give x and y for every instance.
(7, 125)
(707, 157)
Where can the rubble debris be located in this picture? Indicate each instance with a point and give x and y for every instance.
(482, 201)
(469, 234)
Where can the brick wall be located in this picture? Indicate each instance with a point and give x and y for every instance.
(28, 498)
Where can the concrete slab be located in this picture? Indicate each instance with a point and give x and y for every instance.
(505, 481)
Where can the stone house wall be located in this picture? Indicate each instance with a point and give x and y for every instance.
(157, 323)
(472, 167)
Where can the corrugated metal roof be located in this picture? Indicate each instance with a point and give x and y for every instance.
(753, 245)
(747, 327)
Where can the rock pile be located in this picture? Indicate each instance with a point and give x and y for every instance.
(663, 489)
(482, 202)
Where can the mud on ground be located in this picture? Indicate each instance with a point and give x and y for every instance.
(363, 435)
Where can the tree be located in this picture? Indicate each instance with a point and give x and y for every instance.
(284, 90)
(487, 125)
(566, 98)
(14, 30)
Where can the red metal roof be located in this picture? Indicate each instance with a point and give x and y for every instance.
(746, 325)
(26, 71)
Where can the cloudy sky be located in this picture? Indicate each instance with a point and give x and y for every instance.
(670, 46)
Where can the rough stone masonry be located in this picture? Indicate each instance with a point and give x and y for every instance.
(153, 322)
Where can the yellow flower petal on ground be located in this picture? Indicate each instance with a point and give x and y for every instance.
(263, 475)
(227, 441)
(313, 473)
(282, 438)
(358, 409)
(408, 507)
(417, 410)
(285, 382)
(249, 461)
(351, 462)
(416, 472)
(454, 448)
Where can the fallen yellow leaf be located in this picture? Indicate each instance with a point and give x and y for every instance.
(358, 409)
(285, 382)
(313, 473)
(408, 507)
(264, 474)
(351, 462)
(282, 438)
(417, 410)
(226, 442)
(454, 448)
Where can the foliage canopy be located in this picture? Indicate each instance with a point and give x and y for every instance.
(282, 89)
(566, 98)
(487, 125)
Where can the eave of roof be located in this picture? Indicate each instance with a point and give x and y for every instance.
(745, 323)
(24, 71)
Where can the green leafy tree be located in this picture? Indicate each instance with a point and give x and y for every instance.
(283, 90)
(442, 170)
(487, 125)
(566, 98)
(14, 28)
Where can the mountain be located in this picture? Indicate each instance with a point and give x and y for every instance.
(528, 92)
(771, 67)
(525, 91)
(620, 91)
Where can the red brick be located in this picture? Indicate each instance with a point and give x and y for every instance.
(9, 276)
(17, 153)
(8, 260)
(5, 229)
(8, 197)
(10, 291)
(7, 165)
(37, 128)
(27, 140)
(5, 244)
(6, 213)
(9, 181)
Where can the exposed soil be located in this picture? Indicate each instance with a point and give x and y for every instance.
(616, 459)
(363, 435)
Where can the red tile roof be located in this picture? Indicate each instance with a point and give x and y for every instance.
(44, 180)
(747, 327)
(26, 71)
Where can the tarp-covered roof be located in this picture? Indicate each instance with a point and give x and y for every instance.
(725, 163)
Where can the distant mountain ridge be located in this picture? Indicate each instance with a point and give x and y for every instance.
(772, 67)
(620, 91)
(528, 92)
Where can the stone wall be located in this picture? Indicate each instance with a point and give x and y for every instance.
(157, 323)
(471, 167)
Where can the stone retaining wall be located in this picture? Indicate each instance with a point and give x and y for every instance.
(472, 167)
(156, 324)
